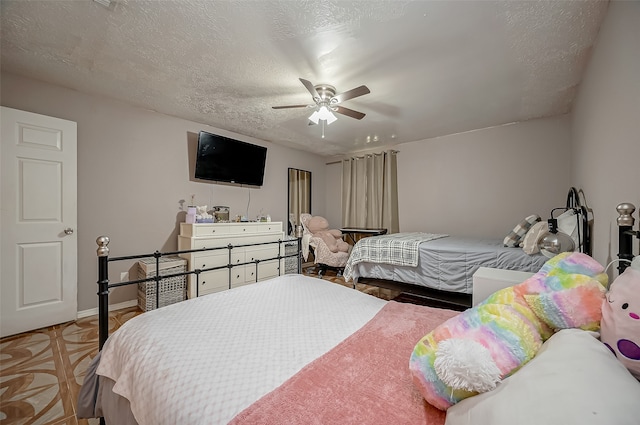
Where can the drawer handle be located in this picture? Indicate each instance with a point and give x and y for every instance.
(203, 282)
(213, 231)
(238, 277)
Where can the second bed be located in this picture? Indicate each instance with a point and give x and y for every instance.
(444, 268)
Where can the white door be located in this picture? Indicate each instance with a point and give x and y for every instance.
(38, 218)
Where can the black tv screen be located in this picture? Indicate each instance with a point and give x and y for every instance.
(223, 159)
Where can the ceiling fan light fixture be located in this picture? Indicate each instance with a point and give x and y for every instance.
(315, 117)
(327, 115)
(323, 114)
(327, 102)
(105, 3)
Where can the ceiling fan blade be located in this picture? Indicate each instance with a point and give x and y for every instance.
(348, 112)
(309, 86)
(350, 94)
(290, 106)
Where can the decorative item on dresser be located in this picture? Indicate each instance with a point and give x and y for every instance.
(241, 245)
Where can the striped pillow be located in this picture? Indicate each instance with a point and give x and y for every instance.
(514, 237)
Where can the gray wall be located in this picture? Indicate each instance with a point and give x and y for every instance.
(133, 170)
(606, 125)
(482, 183)
(479, 183)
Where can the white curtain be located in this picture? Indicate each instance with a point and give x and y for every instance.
(370, 191)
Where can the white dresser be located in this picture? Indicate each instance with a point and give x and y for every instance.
(213, 235)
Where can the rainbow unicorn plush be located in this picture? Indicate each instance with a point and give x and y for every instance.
(472, 352)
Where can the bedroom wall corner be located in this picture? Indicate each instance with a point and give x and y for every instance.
(606, 125)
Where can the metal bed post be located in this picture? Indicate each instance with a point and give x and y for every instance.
(229, 265)
(103, 289)
(299, 241)
(282, 254)
(157, 256)
(625, 234)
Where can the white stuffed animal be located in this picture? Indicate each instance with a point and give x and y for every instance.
(202, 216)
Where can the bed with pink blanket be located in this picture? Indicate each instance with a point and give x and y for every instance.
(291, 350)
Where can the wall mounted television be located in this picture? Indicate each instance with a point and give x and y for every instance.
(223, 159)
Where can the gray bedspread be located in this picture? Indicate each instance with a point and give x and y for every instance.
(448, 264)
(96, 399)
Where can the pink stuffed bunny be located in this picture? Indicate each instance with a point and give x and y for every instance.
(620, 325)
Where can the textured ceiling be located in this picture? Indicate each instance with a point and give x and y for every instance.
(433, 67)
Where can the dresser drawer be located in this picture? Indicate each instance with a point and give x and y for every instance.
(199, 243)
(237, 257)
(239, 229)
(207, 260)
(261, 252)
(260, 238)
(210, 230)
(269, 227)
(238, 276)
(269, 269)
(203, 229)
(213, 281)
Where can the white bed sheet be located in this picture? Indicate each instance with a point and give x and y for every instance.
(204, 360)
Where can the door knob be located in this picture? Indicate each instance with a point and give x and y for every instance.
(68, 231)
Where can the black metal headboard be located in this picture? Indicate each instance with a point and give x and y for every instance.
(580, 207)
(625, 234)
(103, 272)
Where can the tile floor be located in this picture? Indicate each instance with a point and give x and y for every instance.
(41, 371)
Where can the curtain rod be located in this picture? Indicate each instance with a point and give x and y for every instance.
(393, 152)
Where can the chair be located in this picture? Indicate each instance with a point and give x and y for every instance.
(324, 257)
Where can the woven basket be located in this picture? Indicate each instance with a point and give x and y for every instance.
(172, 289)
(291, 263)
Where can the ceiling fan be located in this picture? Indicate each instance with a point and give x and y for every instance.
(326, 101)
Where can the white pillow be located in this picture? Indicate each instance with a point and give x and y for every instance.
(568, 223)
(531, 239)
(574, 379)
